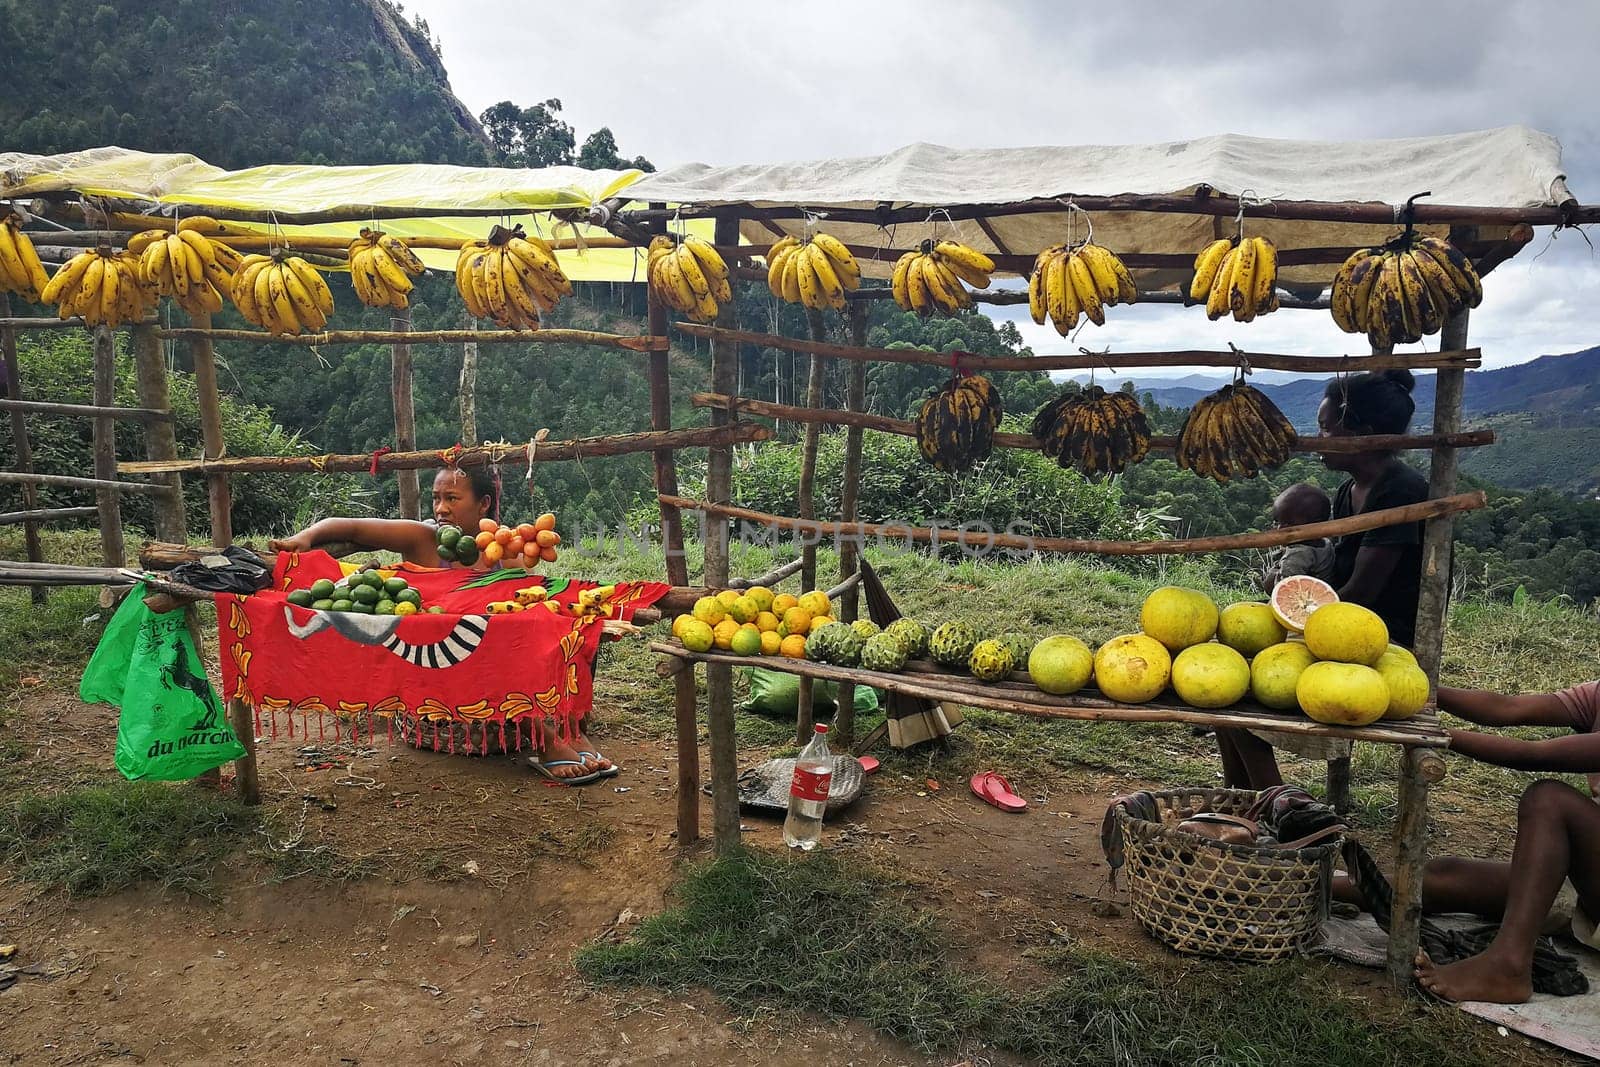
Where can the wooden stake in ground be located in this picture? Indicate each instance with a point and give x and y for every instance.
(844, 719)
(19, 440)
(213, 445)
(405, 413)
(105, 453)
(160, 441)
(469, 387)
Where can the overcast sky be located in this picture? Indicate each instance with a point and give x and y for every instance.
(700, 81)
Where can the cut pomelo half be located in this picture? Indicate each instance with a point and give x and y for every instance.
(1297, 596)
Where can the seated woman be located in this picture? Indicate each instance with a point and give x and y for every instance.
(1380, 569)
(460, 498)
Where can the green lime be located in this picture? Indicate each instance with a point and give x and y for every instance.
(364, 594)
(321, 589)
(342, 605)
(449, 535)
(408, 596)
(362, 609)
(436, 610)
(384, 607)
(322, 605)
(446, 553)
(395, 586)
(467, 553)
(302, 598)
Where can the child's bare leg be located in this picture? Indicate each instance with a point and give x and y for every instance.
(1247, 761)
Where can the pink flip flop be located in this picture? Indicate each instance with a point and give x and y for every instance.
(992, 788)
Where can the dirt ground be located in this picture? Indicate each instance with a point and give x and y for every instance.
(458, 949)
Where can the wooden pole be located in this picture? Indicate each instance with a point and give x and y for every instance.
(160, 440)
(90, 411)
(1411, 853)
(213, 445)
(469, 387)
(844, 719)
(719, 489)
(107, 501)
(19, 441)
(405, 412)
(808, 452)
(11, 518)
(389, 337)
(245, 775)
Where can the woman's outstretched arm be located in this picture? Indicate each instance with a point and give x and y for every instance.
(414, 541)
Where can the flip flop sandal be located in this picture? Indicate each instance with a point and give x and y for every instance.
(543, 770)
(992, 788)
(609, 772)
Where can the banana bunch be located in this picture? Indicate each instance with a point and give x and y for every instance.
(103, 286)
(381, 269)
(20, 269)
(815, 272)
(688, 275)
(184, 266)
(1404, 290)
(1093, 430)
(1068, 283)
(955, 427)
(1235, 430)
(512, 278)
(281, 293)
(1240, 277)
(929, 280)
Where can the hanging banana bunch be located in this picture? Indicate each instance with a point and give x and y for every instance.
(1238, 275)
(1404, 290)
(931, 279)
(1235, 430)
(816, 272)
(183, 265)
(281, 293)
(955, 426)
(381, 269)
(103, 286)
(1094, 431)
(512, 278)
(687, 274)
(1069, 283)
(20, 269)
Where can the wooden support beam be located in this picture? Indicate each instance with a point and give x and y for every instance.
(405, 412)
(26, 324)
(1411, 854)
(389, 337)
(771, 578)
(213, 446)
(160, 439)
(1272, 538)
(11, 381)
(82, 483)
(665, 461)
(11, 518)
(107, 501)
(806, 494)
(719, 487)
(41, 407)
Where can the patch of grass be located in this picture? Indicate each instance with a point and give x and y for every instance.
(782, 934)
(98, 840)
(48, 640)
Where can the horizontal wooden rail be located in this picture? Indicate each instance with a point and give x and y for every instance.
(11, 518)
(1160, 443)
(1285, 535)
(477, 456)
(83, 483)
(19, 323)
(634, 343)
(250, 241)
(1465, 358)
(44, 407)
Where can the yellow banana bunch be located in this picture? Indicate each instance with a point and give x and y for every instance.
(103, 286)
(511, 278)
(1235, 430)
(1404, 290)
(281, 293)
(833, 271)
(20, 269)
(381, 269)
(1238, 277)
(1071, 283)
(184, 266)
(688, 275)
(931, 279)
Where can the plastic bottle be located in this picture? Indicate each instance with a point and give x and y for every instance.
(808, 793)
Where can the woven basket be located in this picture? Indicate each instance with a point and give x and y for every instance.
(1207, 898)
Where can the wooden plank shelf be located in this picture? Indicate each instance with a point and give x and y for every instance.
(633, 343)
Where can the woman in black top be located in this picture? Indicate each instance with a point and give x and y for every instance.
(1380, 569)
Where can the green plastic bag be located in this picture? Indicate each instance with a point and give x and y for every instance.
(777, 693)
(172, 726)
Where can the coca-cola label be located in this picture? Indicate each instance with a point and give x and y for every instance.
(810, 785)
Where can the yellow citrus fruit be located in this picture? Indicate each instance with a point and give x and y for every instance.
(405, 607)
(761, 595)
(678, 624)
(1060, 664)
(696, 636)
(1210, 675)
(727, 597)
(1402, 651)
(722, 633)
(816, 602)
(767, 621)
(1408, 685)
(708, 611)
(1178, 617)
(793, 646)
(1247, 628)
(783, 602)
(1297, 597)
(1275, 672)
(1348, 633)
(1132, 668)
(796, 620)
(818, 622)
(770, 642)
(1341, 694)
(746, 641)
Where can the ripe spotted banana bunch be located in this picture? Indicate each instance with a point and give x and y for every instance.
(1235, 430)
(511, 278)
(815, 272)
(1069, 283)
(930, 280)
(184, 266)
(955, 427)
(1406, 289)
(381, 269)
(281, 293)
(103, 286)
(1094, 431)
(688, 275)
(20, 269)
(1239, 277)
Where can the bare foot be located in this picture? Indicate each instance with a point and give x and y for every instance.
(582, 743)
(1484, 977)
(558, 751)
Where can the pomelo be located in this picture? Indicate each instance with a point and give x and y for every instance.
(1275, 671)
(746, 641)
(727, 597)
(1342, 694)
(1060, 664)
(770, 642)
(816, 602)
(761, 595)
(722, 633)
(1132, 668)
(793, 646)
(1408, 685)
(783, 602)
(1348, 633)
(1210, 675)
(1296, 597)
(767, 621)
(1249, 627)
(708, 610)
(1402, 651)
(678, 624)
(796, 620)
(1178, 617)
(744, 609)
(696, 636)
